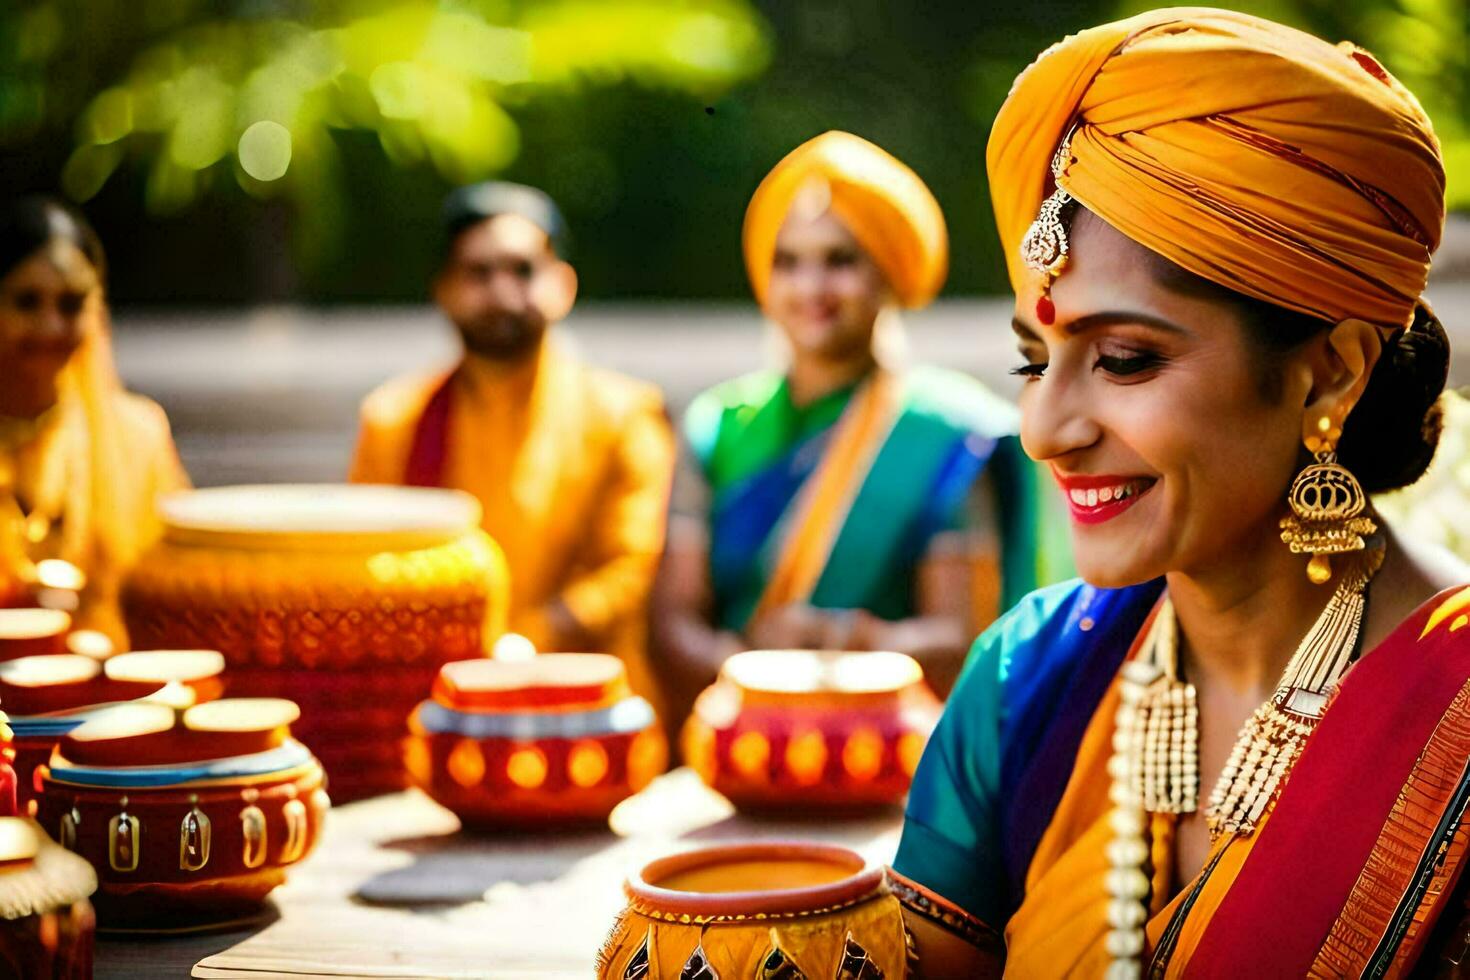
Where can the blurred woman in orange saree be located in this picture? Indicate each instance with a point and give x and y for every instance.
(1239, 746)
(81, 459)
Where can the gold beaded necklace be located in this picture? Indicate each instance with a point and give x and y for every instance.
(1155, 761)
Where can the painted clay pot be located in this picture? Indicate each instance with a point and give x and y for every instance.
(189, 817)
(346, 599)
(29, 632)
(46, 922)
(803, 729)
(758, 910)
(48, 696)
(559, 738)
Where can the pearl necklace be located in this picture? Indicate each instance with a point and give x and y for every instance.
(1154, 767)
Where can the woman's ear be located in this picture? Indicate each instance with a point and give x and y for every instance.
(1340, 372)
(560, 284)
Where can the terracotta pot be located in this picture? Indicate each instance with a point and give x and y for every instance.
(28, 632)
(556, 739)
(180, 835)
(50, 695)
(757, 910)
(46, 922)
(801, 729)
(344, 598)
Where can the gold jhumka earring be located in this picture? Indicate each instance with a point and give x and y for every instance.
(1045, 246)
(1327, 507)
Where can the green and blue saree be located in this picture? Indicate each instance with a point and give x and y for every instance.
(836, 502)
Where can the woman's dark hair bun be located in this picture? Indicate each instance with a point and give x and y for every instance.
(1391, 435)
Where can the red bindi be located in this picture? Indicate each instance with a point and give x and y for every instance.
(1046, 312)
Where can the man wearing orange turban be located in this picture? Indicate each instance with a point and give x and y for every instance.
(1061, 822)
(845, 502)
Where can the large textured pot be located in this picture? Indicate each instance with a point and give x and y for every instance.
(345, 599)
(46, 922)
(806, 729)
(757, 911)
(556, 739)
(189, 817)
(51, 694)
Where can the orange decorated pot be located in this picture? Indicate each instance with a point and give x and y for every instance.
(758, 910)
(346, 599)
(559, 738)
(804, 729)
(46, 922)
(49, 695)
(188, 816)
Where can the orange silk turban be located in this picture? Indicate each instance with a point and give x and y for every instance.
(1251, 154)
(882, 202)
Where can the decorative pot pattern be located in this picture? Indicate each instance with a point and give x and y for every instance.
(559, 739)
(796, 729)
(760, 911)
(346, 599)
(185, 842)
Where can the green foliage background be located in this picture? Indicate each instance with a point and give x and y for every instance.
(651, 121)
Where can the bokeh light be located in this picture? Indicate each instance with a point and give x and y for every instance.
(265, 150)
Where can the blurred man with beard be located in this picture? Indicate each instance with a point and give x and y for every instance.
(571, 463)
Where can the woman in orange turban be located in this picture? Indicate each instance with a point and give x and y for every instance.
(1213, 756)
(81, 460)
(840, 503)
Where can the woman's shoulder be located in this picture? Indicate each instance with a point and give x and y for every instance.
(143, 420)
(1050, 629)
(712, 409)
(746, 391)
(1417, 581)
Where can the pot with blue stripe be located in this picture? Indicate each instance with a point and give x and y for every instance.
(550, 740)
(189, 816)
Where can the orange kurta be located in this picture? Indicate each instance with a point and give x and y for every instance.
(572, 465)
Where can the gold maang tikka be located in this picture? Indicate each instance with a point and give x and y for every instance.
(1045, 247)
(1327, 507)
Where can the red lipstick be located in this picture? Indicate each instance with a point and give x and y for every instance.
(1095, 499)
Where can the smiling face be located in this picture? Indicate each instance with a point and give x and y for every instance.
(1154, 394)
(825, 293)
(44, 302)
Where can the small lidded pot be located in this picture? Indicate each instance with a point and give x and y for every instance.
(47, 696)
(189, 816)
(811, 729)
(752, 910)
(46, 922)
(554, 739)
(29, 632)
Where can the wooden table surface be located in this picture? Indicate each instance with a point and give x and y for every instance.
(394, 890)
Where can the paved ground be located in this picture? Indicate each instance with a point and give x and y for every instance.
(270, 395)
